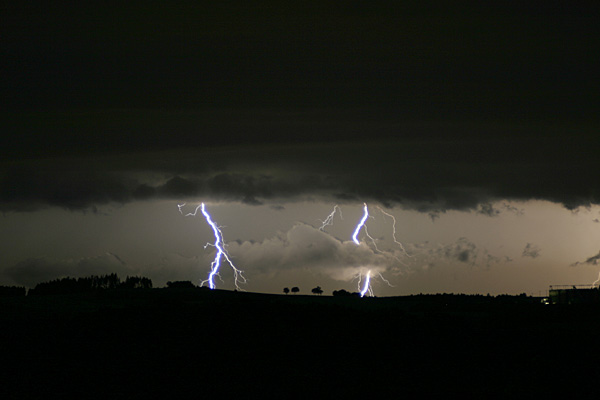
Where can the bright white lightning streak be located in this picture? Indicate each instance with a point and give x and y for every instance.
(360, 224)
(221, 252)
(367, 285)
(329, 219)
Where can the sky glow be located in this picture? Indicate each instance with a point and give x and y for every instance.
(456, 252)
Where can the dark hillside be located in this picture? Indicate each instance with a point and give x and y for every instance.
(167, 342)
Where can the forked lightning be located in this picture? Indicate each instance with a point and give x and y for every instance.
(219, 244)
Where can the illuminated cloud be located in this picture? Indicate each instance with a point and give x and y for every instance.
(306, 247)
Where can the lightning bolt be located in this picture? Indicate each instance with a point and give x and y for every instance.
(368, 235)
(385, 280)
(394, 230)
(221, 252)
(597, 280)
(360, 224)
(329, 219)
(366, 286)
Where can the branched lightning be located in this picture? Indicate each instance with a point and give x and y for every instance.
(329, 219)
(385, 280)
(364, 282)
(219, 244)
(364, 285)
(371, 238)
(394, 230)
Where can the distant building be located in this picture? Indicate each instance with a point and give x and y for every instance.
(574, 294)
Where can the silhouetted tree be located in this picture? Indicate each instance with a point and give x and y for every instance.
(286, 290)
(62, 286)
(295, 289)
(136, 282)
(111, 281)
(317, 290)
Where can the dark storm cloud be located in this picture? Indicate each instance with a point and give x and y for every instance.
(513, 209)
(429, 174)
(488, 210)
(421, 105)
(32, 186)
(423, 58)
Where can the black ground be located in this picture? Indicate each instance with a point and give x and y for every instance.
(165, 342)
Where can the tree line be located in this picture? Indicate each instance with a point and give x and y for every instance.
(12, 291)
(318, 291)
(90, 284)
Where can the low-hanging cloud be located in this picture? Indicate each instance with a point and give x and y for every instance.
(593, 260)
(433, 175)
(306, 247)
(462, 251)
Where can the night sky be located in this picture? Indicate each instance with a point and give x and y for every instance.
(475, 125)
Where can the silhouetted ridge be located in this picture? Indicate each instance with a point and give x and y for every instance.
(12, 291)
(180, 285)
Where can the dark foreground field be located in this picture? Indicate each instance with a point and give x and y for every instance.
(171, 343)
